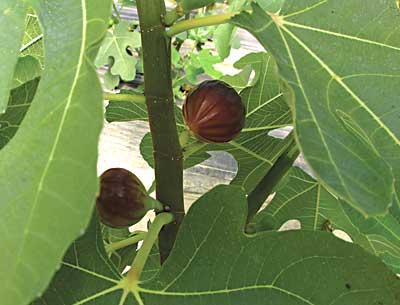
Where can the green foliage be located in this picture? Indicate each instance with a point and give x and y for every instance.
(249, 63)
(115, 46)
(121, 111)
(223, 38)
(188, 69)
(306, 200)
(85, 270)
(12, 29)
(254, 150)
(213, 262)
(201, 62)
(272, 6)
(111, 81)
(212, 255)
(27, 69)
(331, 72)
(48, 170)
(188, 5)
(122, 257)
(225, 33)
(20, 100)
(346, 109)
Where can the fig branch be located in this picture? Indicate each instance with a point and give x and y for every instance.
(168, 157)
(185, 25)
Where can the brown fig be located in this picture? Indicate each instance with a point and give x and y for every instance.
(123, 200)
(214, 112)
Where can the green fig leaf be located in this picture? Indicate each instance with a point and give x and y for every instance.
(12, 30)
(115, 45)
(49, 168)
(346, 105)
(306, 200)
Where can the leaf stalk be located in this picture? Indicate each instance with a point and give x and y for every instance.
(159, 222)
(185, 25)
(126, 242)
(268, 183)
(136, 98)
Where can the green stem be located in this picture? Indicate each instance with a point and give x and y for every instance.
(160, 103)
(266, 186)
(199, 22)
(136, 98)
(126, 242)
(117, 12)
(160, 221)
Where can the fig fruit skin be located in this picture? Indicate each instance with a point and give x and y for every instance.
(122, 199)
(214, 112)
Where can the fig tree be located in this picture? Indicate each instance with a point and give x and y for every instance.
(123, 200)
(214, 112)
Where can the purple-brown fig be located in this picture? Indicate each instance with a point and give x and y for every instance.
(123, 200)
(214, 112)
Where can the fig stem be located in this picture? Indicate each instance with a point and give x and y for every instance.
(137, 266)
(153, 204)
(126, 242)
(267, 184)
(185, 25)
(136, 98)
(168, 159)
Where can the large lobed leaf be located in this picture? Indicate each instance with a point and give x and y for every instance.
(84, 271)
(214, 262)
(48, 170)
(305, 199)
(88, 276)
(340, 60)
(12, 14)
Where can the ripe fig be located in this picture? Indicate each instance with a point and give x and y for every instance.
(214, 112)
(123, 200)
